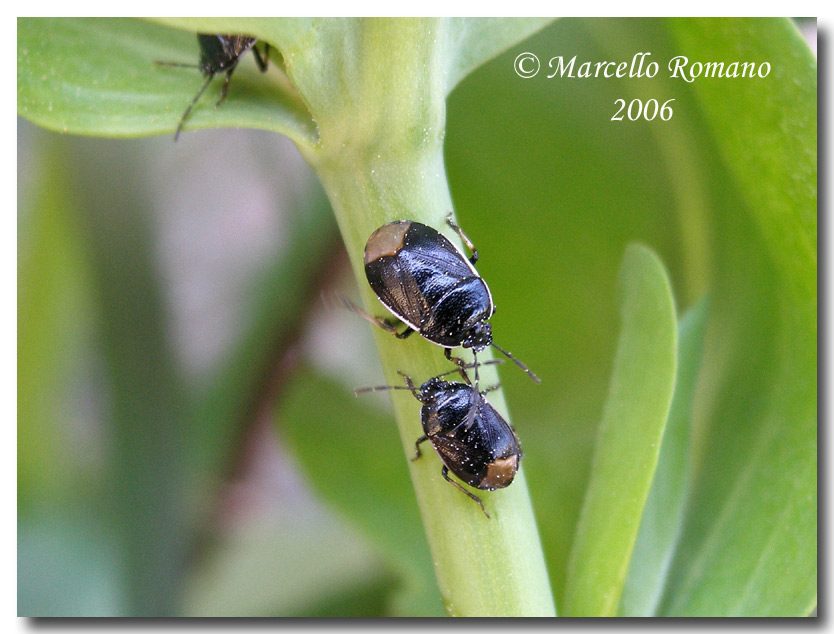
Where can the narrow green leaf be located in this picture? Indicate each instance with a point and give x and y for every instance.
(750, 540)
(629, 438)
(52, 315)
(146, 457)
(98, 76)
(660, 526)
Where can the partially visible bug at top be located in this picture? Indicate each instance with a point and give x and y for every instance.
(473, 440)
(428, 284)
(219, 54)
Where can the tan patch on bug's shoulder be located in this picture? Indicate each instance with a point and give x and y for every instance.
(387, 240)
(500, 473)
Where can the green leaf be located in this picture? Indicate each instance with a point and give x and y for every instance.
(550, 202)
(660, 526)
(145, 441)
(758, 133)
(749, 544)
(98, 76)
(52, 314)
(629, 439)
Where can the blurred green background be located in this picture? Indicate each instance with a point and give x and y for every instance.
(188, 440)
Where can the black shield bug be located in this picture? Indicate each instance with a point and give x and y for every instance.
(219, 54)
(428, 284)
(472, 439)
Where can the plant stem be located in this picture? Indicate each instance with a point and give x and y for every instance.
(484, 567)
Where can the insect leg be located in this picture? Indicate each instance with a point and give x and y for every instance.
(262, 62)
(491, 388)
(408, 382)
(225, 88)
(472, 258)
(445, 472)
(460, 363)
(191, 105)
(417, 445)
(399, 335)
(376, 321)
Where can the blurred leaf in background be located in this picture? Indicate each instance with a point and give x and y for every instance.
(552, 228)
(187, 435)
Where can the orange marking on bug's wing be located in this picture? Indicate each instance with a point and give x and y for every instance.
(500, 473)
(387, 240)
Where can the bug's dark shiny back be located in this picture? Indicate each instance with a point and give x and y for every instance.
(481, 448)
(421, 277)
(462, 307)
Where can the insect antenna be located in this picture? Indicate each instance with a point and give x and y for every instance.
(410, 385)
(176, 64)
(379, 388)
(469, 366)
(529, 372)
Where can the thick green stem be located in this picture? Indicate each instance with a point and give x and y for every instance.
(484, 567)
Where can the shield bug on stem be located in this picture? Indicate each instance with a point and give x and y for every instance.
(433, 288)
(472, 439)
(219, 54)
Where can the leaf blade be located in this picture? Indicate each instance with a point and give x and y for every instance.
(629, 438)
(660, 525)
(97, 76)
(751, 530)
